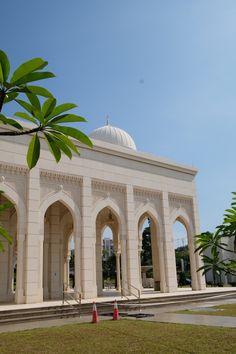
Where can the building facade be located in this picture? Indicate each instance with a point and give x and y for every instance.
(110, 185)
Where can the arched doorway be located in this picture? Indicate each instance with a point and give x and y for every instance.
(107, 250)
(58, 230)
(8, 258)
(182, 259)
(149, 255)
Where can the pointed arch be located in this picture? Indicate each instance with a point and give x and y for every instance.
(182, 216)
(69, 203)
(149, 211)
(18, 203)
(143, 212)
(109, 203)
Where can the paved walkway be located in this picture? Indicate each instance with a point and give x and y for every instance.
(161, 314)
(111, 295)
(219, 321)
(204, 320)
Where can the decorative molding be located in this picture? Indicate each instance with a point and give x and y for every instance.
(99, 185)
(60, 177)
(178, 201)
(147, 194)
(13, 169)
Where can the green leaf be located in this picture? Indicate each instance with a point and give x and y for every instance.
(31, 109)
(74, 133)
(10, 97)
(26, 117)
(5, 206)
(35, 76)
(55, 150)
(67, 141)
(62, 108)
(10, 121)
(48, 106)
(66, 118)
(1, 75)
(34, 101)
(26, 106)
(26, 68)
(62, 146)
(40, 91)
(33, 151)
(4, 233)
(4, 64)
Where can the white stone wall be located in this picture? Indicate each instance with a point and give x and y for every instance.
(127, 182)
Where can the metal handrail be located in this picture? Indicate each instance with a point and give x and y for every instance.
(72, 297)
(132, 293)
(134, 287)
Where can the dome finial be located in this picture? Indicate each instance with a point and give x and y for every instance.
(107, 120)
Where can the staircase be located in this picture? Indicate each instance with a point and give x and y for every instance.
(125, 306)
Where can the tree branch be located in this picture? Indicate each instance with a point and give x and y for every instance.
(25, 132)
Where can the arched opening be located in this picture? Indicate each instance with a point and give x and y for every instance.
(150, 276)
(108, 254)
(182, 259)
(70, 279)
(108, 259)
(8, 258)
(58, 232)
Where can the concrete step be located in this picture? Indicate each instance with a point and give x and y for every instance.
(54, 312)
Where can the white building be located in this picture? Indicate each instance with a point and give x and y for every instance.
(112, 185)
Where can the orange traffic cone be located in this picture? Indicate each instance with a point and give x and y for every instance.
(95, 318)
(116, 311)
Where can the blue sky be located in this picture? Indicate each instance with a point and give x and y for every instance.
(164, 71)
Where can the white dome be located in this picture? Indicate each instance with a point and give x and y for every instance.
(113, 135)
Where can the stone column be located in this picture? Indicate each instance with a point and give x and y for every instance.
(99, 254)
(163, 287)
(201, 282)
(132, 241)
(88, 256)
(68, 269)
(139, 263)
(34, 241)
(169, 252)
(46, 269)
(118, 283)
(11, 251)
(19, 295)
(124, 275)
(77, 266)
(55, 233)
(155, 258)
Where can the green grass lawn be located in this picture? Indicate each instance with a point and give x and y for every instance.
(124, 336)
(221, 310)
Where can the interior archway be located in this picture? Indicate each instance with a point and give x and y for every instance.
(58, 229)
(8, 258)
(108, 252)
(150, 275)
(182, 259)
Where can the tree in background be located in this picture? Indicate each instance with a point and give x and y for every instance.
(146, 254)
(182, 264)
(214, 242)
(48, 119)
(3, 232)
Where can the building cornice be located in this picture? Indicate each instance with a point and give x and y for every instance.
(111, 149)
